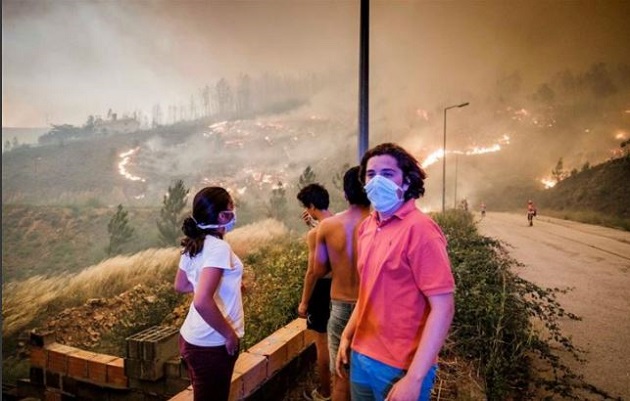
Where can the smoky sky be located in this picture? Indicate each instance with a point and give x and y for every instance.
(63, 61)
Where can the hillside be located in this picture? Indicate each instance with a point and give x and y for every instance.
(602, 190)
(50, 240)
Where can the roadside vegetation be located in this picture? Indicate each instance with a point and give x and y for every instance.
(506, 329)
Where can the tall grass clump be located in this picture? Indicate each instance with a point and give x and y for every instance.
(45, 296)
(508, 325)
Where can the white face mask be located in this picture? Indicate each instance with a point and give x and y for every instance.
(229, 226)
(384, 194)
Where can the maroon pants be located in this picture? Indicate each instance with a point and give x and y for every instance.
(210, 370)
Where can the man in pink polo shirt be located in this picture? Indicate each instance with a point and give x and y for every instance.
(406, 292)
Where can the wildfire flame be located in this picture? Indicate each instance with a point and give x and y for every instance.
(477, 150)
(548, 182)
(122, 166)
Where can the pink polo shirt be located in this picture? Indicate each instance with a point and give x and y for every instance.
(401, 261)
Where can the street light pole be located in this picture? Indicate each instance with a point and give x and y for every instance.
(456, 165)
(444, 156)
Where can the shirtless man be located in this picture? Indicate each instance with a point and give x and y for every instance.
(315, 303)
(335, 252)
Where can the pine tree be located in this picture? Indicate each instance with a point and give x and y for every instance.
(307, 177)
(119, 231)
(170, 223)
(278, 202)
(558, 173)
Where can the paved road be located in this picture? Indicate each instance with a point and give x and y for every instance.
(595, 261)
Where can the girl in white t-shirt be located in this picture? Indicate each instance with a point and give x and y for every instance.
(211, 333)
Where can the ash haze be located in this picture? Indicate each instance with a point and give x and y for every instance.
(63, 61)
(66, 60)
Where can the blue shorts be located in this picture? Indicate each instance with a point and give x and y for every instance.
(371, 380)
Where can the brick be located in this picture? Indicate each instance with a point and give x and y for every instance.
(294, 339)
(309, 337)
(116, 374)
(253, 369)
(38, 356)
(57, 357)
(297, 324)
(78, 364)
(97, 368)
(275, 350)
(236, 387)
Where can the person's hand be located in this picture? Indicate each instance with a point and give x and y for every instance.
(342, 357)
(404, 390)
(308, 219)
(232, 344)
(303, 310)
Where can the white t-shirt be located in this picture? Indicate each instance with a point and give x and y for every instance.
(216, 253)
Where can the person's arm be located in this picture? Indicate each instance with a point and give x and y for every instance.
(321, 259)
(209, 310)
(181, 282)
(442, 309)
(309, 278)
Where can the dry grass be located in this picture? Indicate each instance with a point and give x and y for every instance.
(247, 239)
(23, 301)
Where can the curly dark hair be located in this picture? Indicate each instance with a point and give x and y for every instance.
(353, 187)
(413, 174)
(315, 195)
(207, 205)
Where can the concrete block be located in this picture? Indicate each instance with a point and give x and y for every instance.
(236, 387)
(154, 343)
(253, 369)
(175, 368)
(97, 368)
(41, 339)
(144, 370)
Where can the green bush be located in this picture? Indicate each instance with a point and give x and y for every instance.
(272, 295)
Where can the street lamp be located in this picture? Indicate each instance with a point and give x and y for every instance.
(444, 155)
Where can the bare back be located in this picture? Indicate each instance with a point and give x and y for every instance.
(337, 244)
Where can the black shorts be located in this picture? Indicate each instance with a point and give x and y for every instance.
(318, 310)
